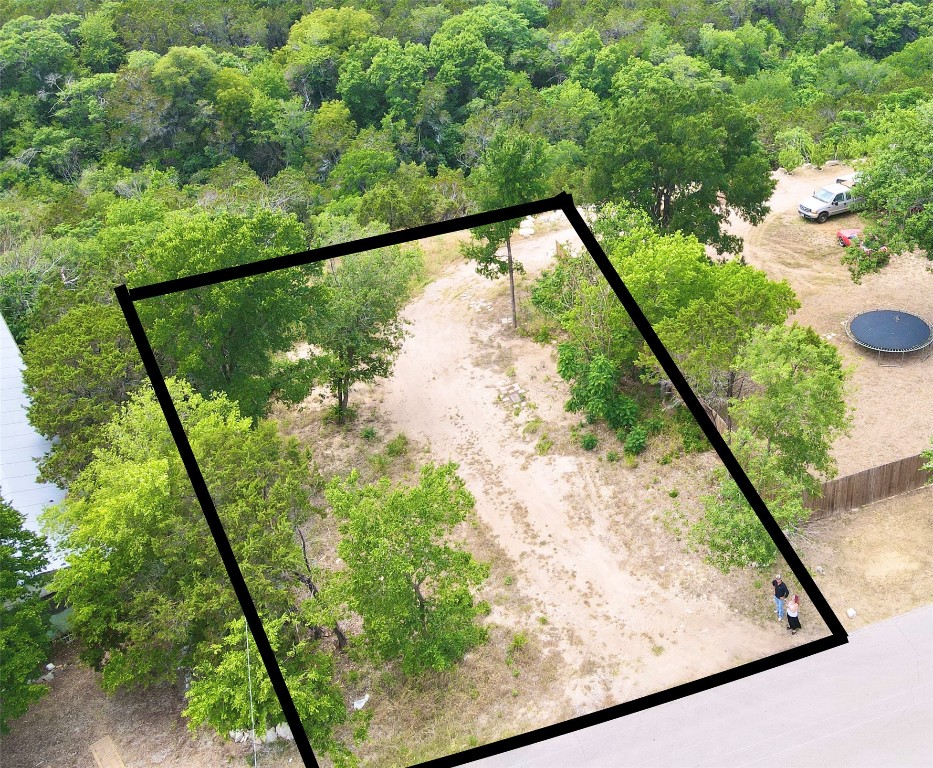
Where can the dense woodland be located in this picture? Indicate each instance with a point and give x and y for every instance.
(143, 141)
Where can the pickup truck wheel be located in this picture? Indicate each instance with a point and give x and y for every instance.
(822, 217)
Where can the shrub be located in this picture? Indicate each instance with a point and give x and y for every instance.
(543, 445)
(397, 446)
(862, 262)
(368, 433)
(612, 457)
(636, 441)
(589, 441)
(691, 435)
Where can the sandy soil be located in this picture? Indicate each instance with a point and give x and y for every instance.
(893, 406)
(877, 559)
(582, 535)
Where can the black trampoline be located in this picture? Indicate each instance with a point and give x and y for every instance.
(890, 330)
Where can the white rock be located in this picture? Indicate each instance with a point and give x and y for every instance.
(819, 569)
(50, 667)
(851, 613)
(284, 732)
(270, 736)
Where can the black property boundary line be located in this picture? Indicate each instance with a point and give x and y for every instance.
(127, 298)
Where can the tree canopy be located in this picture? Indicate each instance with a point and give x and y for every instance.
(24, 632)
(513, 169)
(409, 582)
(144, 576)
(354, 326)
(225, 337)
(78, 373)
(677, 143)
(896, 184)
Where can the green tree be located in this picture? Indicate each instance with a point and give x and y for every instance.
(896, 185)
(100, 47)
(37, 58)
(78, 373)
(795, 406)
(705, 336)
(355, 324)
(332, 131)
(411, 586)
(317, 43)
(512, 171)
(679, 145)
(225, 337)
(230, 688)
(408, 198)
(729, 530)
(381, 77)
(24, 631)
(144, 576)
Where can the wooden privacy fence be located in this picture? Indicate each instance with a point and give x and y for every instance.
(870, 485)
(856, 490)
(861, 488)
(717, 420)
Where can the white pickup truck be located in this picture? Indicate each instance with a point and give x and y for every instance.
(831, 199)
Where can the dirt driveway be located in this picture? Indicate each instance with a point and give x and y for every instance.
(623, 606)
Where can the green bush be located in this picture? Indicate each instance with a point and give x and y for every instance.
(691, 436)
(862, 262)
(612, 457)
(637, 440)
(621, 412)
(589, 441)
(397, 446)
(654, 425)
(731, 533)
(368, 433)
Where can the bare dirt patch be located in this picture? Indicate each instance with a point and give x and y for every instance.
(893, 406)
(145, 725)
(877, 559)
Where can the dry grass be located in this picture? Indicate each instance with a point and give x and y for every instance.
(475, 703)
(440, 252)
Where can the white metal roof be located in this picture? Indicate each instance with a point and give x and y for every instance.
(21, 445)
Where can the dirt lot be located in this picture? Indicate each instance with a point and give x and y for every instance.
(588, 562)
(877, 559)
(893, 406)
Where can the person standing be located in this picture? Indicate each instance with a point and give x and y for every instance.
(780, 595)
(793, 614)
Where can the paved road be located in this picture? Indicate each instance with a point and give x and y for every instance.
(868, 703)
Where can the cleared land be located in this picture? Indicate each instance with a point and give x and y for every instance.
(893, 406)
(588, 562)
